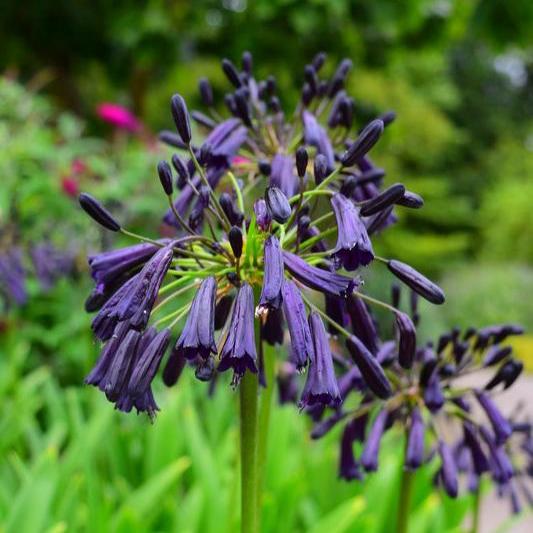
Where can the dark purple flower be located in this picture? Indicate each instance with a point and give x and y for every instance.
(416, 281)
(353, 244)
(98, 212)
(295, 315)
(225, 141)
(501, 426)
(407, 340)
(414, 455)
(206, 92)
(507, 374)
(321, 385)
(499, 462)
(198, 336)
(448, 471)
(231, 72)
(135, 299)
(282, 175)
(370, 368)
(235, 240)
(171, 139)
(238, 351)
(317, 278)
(349, 468)
(369, 457)
(108, 267)
(273, 276)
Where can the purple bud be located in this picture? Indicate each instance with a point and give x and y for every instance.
(235, 240)
(181, 118)
(369, 457)
(362, 323)
(262, 215)
(407, 341)
(380, 221)
(320, 168)
(231, 73)
(411, 200)
(203, 120)
(448, 470)
(414, 455)
(277, 204)
(272, 277)
(206, 92)
(501, 426)
(383, 200)
(354, 247)
(361, 146)
(294, 309)
(416, 281)
(173, 368)
(98, 212)
(242, 106)
(321, 385)
(371, 370)
(165, 176)
(302, 159)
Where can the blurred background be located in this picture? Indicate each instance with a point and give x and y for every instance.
(459, 75)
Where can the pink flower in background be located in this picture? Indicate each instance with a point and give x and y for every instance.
(118, 116)
(70, 186)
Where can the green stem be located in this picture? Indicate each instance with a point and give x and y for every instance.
(404, 503)
(248, 391)
(269, 359)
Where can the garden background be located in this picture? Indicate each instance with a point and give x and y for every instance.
(459, 75)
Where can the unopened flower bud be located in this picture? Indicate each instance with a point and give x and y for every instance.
(206, 92)
(416, 281)
(235, 240)
(231, 72)
(165, 176)
(366, 140)
(98, 212)
(302, 159)
(181, 118)
(277, 204)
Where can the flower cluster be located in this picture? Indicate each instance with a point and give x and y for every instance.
(252, 208)
(274, 217)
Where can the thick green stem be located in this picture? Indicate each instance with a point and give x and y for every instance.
(404, 503)
(249, 481)
(269, 358)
